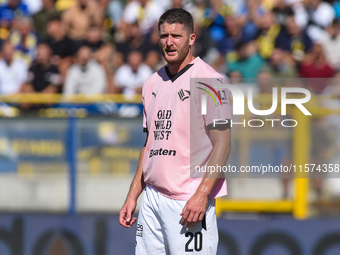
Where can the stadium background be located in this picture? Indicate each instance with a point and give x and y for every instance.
(68, 149)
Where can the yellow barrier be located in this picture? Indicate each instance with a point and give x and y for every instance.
(300, 157)
(298, 206)
(284, 206)
(58, 98)
(263, 99)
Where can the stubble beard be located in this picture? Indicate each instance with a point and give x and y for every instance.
(182, 54)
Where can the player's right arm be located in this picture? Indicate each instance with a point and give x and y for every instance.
(136, 188)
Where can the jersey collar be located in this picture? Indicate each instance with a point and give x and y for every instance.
(177, 75)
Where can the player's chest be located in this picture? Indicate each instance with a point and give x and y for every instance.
(170, 96)
(169, 106)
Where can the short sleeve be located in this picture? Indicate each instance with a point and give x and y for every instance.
(54, 78)
(30, 75)
(120, 77)
(218, 107)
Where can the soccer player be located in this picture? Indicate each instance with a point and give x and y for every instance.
(177, 213)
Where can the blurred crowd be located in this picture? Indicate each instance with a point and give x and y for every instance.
(111, 46)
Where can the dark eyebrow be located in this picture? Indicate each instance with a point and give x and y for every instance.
(173, 34)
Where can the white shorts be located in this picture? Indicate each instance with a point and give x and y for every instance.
(159, 230)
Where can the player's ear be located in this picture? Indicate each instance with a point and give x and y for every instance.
(192, 39)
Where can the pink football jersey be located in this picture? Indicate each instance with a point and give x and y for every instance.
(167, 157)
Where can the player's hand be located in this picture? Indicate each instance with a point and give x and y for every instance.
(194, 209)
(125, 214)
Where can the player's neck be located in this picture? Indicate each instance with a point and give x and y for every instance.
(175, 68)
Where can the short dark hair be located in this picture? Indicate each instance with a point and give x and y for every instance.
(177, 15)
(54, 18)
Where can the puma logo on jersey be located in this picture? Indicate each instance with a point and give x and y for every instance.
(154, 94)
(183, 94)
(220, 81)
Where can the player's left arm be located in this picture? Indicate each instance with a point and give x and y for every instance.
(196, 206)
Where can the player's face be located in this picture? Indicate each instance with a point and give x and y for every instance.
(175, 42)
